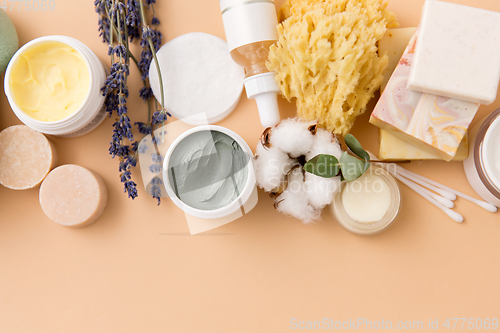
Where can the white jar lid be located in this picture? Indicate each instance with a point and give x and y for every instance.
(201, 82)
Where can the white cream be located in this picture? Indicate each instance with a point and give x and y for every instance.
(491, 153)
(367, 199)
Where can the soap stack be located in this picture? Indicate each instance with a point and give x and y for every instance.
(450, 66)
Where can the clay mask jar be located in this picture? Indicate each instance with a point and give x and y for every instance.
(369, 204)
(53, 85)
(208, 172)
(482, 167)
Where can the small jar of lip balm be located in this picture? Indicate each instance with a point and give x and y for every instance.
(369, 204)
(53, 86)
(208, 172)
(482, 167)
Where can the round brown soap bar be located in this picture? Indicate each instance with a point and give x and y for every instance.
(73, 196)
(26, 157)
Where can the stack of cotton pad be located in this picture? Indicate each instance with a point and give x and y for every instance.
(200, 80)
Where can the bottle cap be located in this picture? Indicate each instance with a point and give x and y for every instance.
(228, 4)
(248, 21)
(263, 88)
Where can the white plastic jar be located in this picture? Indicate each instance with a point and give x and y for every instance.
(241, 200)
(482, 167)
(90, 113)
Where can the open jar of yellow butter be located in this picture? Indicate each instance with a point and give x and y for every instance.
(53, 86)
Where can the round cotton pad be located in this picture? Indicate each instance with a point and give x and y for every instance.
(201, 82)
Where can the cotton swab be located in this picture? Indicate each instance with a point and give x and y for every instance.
(400, 170)
(444, 201)
(441, 189)
(454, 215)
(407, 174)
(483, 204)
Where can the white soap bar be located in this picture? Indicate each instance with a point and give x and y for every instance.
(201, 82)
(26, 157)
(458, 53)
(73, 196)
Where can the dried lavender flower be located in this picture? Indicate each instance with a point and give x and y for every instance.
(120, 23)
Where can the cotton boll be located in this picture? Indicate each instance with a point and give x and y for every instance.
(294, 202)
(271, 165)
(293, 137)
(320, 191)
(324, 143)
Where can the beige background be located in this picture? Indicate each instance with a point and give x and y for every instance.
(138, 270)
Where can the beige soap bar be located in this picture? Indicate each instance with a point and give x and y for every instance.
(73, 196)
(394, 149)
(26, 157)
(394, 44)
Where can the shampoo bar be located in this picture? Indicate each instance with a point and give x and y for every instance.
(458, 53)
(433, 123)
(26, 157)
(393, 44)
(73, 196)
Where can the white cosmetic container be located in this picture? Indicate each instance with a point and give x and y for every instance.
(369, 204)
(89, 115)
(242, 204)
(482, 167)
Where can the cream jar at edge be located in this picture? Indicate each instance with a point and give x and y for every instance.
(53, 85)
(369, 204)
(482, 167)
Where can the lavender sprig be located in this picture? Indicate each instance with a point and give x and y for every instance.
(120, 23)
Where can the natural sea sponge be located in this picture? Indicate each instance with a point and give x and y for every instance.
(326, 57)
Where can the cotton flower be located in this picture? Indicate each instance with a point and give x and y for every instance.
(279, 162)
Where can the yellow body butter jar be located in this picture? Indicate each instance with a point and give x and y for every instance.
(53, 86)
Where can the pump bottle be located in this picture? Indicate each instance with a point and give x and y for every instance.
(250, 27)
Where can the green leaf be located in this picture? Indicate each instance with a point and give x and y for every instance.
(352, 167)
(326, 166)
(356, 148)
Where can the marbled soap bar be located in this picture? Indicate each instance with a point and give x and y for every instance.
(440, 124)
(458, 52)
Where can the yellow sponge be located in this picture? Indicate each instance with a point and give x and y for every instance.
(326, 57)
